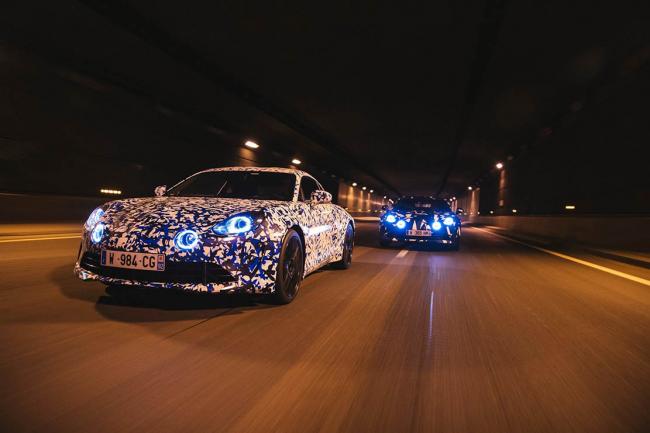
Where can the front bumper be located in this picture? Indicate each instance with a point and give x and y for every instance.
(445, 236)
(197, 277)
(245, 263)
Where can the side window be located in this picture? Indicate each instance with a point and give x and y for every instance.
(307, 186)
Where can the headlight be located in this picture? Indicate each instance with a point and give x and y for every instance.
(186, 239)
(234, 225)
(449, 221)
(400, 224)
(98, 233)
(390, 218)
(436, 225)
(94, 218)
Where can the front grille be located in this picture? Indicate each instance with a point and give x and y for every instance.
(175, 272)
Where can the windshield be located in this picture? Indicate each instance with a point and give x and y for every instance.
(422, 203)
(238, 184)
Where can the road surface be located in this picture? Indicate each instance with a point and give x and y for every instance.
(497, 337)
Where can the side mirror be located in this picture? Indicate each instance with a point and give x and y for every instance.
(319, 197)
(160, 190)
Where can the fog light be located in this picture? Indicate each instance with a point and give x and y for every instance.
(436, 225)
(400, 224)
(98, 233)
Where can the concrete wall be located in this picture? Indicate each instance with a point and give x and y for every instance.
(615, 232)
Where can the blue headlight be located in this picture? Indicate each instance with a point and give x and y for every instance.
(390, 218)
(449, 221)
(400, 224)
(234, 225)
(436, 225)
(98, 233)
(93, 219)
(186, 239)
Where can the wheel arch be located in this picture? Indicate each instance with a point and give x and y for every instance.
(297, 229)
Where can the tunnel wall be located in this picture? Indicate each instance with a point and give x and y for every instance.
(67, 133)
(359, 202)
(615, 232)
(588, 155)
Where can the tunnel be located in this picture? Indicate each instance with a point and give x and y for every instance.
(324, 216)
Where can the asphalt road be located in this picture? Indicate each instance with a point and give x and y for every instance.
(497, 337)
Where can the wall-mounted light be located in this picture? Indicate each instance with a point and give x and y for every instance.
(251, 144)
(469, 188)
(296, 161)
(354, 184)
(491, 212)
(363, 188)
(499, 165)
(570, 207)
(514, 211)
(372, 190)
(110, 191)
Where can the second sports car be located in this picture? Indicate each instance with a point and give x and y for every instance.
(420, 220)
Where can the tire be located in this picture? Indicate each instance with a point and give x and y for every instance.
(290, 269)
(348, 246)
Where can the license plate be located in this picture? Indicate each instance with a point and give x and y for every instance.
(418, 232)
(141, 261)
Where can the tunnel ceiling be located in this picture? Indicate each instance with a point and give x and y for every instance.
(373, 91)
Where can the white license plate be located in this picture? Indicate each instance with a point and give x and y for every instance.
(125, 259)
(418, 232)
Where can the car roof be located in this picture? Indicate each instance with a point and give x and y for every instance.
(265, 169)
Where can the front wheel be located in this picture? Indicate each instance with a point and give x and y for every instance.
(348, 246)
(290, 269)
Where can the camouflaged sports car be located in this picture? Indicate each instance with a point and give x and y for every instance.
(249, 229)
(420, 220)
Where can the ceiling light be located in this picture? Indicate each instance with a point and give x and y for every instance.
(296, 161)
(251, 144)
(110, 191)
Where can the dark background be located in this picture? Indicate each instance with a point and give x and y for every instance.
(418, 98)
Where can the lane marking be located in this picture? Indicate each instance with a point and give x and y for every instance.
(574, 259)
(402, 254)
(3, 241)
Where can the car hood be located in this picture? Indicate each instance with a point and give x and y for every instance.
(421, 212)
(178, 212)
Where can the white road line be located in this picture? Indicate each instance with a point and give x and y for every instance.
(2, 241)
(574, 259)
(402, 254)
